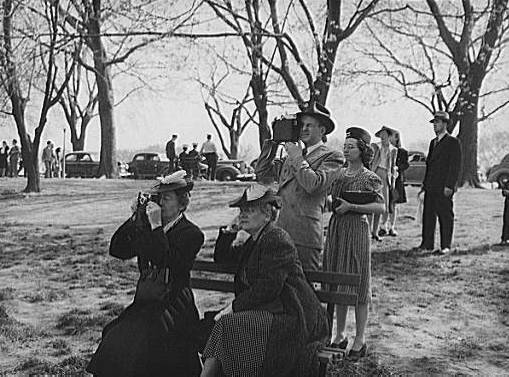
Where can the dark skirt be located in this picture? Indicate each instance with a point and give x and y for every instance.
(136, 344)
(399, 193)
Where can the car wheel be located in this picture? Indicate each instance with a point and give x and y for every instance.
(226, 176)
(502, 178)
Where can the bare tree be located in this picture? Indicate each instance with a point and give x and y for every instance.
(271, 47)
(19, 70)
(131, 26)
(235, 121)
(450, 51)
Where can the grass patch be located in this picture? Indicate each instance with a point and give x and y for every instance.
(78, 321)
(14, 331)
(369, 366)
(70, 366)
(6, 293)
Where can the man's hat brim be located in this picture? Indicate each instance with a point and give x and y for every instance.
(325, 121)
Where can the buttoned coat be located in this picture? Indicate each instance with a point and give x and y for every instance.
(302, 185)
(391, 170)
(442, 165)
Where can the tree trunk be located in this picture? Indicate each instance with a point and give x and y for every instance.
(260, 100)
(108, 164)
(468, 134)
(234, 144)
(329, 50)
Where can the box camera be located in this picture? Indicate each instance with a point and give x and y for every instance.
(286, 128)
(144, 198)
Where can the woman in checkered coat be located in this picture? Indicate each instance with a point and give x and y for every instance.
(276, 323)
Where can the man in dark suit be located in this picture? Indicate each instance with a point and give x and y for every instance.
(304, 178)
(442, 170)
(171, 154)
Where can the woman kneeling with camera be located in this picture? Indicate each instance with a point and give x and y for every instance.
(155, 335)
(275, 324)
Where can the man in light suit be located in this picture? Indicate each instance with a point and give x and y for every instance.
(384, 165)
(304, 177)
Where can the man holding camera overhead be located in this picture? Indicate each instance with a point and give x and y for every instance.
(304, 177)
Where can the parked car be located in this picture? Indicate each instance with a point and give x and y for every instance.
(234, 170)
(147, 165)
(414, 175)
(81, 164)
(499, 172)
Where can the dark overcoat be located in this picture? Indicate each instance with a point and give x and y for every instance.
(270, 277)
(442, 165)
(137, 343)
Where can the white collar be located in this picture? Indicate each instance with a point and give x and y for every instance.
(315, 146)
(170, 225)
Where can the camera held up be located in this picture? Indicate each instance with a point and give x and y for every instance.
(141, 218)
(286, 128)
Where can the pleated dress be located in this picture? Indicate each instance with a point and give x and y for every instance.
(347, 245)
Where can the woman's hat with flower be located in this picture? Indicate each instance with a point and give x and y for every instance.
(173, 182)
(257, 194)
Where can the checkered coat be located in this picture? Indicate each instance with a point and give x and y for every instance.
(270, 277)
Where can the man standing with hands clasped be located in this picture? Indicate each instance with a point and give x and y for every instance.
(304, 178)
(440, 180)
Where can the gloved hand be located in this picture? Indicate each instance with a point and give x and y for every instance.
(154, 215)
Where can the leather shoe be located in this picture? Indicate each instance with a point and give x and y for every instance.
(357, 355)
(382, 232)
(375, 237)
(341, 345)
(504, 243)
(443, 251)
(393, 233)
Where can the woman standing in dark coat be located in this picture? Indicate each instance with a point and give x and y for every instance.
(276, 323)
(398, 195)
(150, 338)
(4, 152)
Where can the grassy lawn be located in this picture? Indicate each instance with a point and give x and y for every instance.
(431, 315)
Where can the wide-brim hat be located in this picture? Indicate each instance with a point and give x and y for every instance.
(172, 182)
(257, 194)
(322, 114)
(442, 115)
(389, 131)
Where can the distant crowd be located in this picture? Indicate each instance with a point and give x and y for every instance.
(10, 158)
(189, 160)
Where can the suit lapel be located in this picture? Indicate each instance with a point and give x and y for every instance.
(438, 147)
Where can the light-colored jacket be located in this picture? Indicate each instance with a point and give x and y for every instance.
(303, 190)
(392, 170)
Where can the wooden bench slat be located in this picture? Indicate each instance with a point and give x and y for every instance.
(212, 285)
(333, 278)
(337, 298)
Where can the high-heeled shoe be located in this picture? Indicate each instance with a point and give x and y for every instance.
(356, 355)
(341, 345)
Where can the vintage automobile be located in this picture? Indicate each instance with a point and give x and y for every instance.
(147, 165)
(81, 164)
(234, 170)
(414, 175)
(500, 172)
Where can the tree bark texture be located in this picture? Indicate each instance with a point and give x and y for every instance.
(108, 164)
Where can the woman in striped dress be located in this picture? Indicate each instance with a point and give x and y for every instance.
(347, 246)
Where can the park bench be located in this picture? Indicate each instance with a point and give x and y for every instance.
(205, 276)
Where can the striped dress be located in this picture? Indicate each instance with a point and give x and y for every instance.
(347, 247)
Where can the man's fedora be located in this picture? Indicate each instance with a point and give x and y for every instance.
(389, 131)
(442, 115)
(321, 113)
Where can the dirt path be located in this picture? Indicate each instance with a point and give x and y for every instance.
(58, 287)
